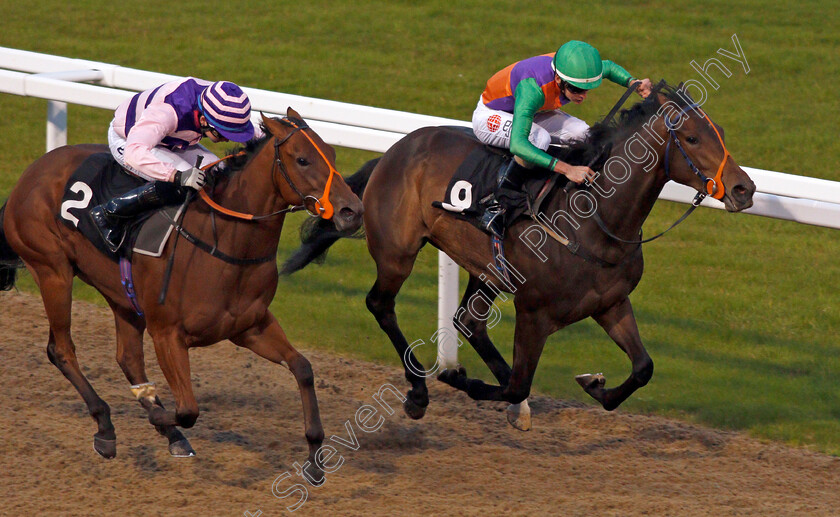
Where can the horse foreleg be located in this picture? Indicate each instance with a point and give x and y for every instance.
(131, 359)
(620, 324)
(174, 361)
(268, 340)
(56, 292)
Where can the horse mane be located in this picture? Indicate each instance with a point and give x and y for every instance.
(242, 154)
(602, 135)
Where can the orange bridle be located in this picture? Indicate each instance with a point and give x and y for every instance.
(714, 186)
(323, 206)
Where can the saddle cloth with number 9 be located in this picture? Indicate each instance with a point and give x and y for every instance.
(473, 185)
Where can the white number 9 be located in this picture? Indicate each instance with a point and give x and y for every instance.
(461, 194)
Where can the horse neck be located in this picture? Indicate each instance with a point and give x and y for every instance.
(624, 206)
(252, 191)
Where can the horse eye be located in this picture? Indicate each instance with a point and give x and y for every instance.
(691, 140)
(302, 162)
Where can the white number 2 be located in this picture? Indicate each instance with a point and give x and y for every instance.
(87, 195)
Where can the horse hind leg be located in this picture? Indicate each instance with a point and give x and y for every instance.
(56, 292)
(131, 359)
(381, 301)
(529, 340)
(471, 318)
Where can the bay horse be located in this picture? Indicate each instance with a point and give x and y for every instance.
(580, 258)
(208, 299)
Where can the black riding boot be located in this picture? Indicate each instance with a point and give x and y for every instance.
(110, 219)
(507, 197)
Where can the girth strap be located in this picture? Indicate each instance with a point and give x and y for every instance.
(128, 285)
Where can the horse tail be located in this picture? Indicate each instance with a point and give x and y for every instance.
(317, 235)
(9, 260)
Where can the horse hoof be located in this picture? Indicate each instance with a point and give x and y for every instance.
(105, 448)
(181, 449)
(589, 381)
(413, 410)
(314, 474)
(452, 376)
(519, 416)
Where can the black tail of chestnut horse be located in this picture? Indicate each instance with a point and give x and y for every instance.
(317, 235)
(9, 260)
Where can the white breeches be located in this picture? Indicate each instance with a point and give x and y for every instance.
(181, 159)
(492, 127)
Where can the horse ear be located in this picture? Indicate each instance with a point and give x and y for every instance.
(273, 125)
(292, 113)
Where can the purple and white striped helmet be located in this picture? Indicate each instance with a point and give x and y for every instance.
(228, 110)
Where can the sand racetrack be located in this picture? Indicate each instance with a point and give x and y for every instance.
(461, 459)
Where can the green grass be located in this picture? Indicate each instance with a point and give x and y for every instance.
(739, 313)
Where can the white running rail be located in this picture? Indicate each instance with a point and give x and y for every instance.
(63, 80)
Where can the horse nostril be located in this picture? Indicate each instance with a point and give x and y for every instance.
(742, 196)
(347, 213)
(739, 190)
(348, 219)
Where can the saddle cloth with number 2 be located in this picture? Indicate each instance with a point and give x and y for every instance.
(98, 179)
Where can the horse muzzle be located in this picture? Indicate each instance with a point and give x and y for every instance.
(349, 217)
(739, 196)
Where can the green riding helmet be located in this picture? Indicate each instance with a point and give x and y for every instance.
(579, 64)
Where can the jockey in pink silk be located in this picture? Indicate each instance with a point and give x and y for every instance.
(155, 136)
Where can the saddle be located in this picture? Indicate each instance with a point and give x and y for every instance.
(98, 179)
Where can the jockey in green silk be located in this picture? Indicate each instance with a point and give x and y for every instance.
(520, 109)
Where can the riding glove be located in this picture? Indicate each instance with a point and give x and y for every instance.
(193, 178)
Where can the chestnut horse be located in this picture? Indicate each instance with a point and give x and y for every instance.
(208, 299)
(580, 258)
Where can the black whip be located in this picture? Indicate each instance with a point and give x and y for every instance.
(168, 272)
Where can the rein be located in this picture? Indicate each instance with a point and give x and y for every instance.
(575, 248)
(323, 207)
(232, 213)
(716, 189)
(714, 186)
(694, 204)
